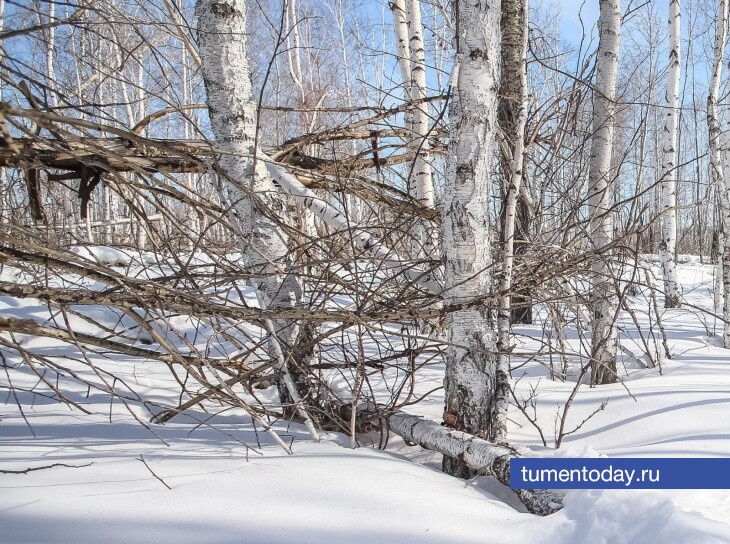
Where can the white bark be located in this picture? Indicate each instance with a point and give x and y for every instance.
(400, 25)
(356, 206)
(667, 247)
(514, 68)
(107, 216)
(192, 229)
(716, 169)
(247, 185)
(479, 455)
(603, 296)
(293, 49)
(470, 360)
(233, 120)
(420, 181)
(412, 64)
(50, 37)
(140, 228)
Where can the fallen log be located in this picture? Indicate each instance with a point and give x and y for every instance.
(480, 455)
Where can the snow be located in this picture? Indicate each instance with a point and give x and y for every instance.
(223, 493)
(230, 483)
(626, 517)
(114, 256)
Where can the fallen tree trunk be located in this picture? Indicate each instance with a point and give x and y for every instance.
(478, 454)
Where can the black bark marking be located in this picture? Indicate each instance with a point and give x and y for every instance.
(224, 10)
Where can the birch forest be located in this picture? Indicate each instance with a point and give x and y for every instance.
(458, 231)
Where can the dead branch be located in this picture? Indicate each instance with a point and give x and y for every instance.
(32, 469)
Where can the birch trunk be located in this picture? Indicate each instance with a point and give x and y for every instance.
(247, 186)
(233, 118)
(357, 207)
(400, 26)
(420, 180)
(50, 38)
(668, 244)
(512, 114)
(470, 387)
(513, 105)
(603, 296)
(716, 168)
(403, 50)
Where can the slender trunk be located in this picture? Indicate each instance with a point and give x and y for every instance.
(247, 187)
(307, 122)
(403, 50)
(470, 382)
(716, 167)
(603, 297)
(233, 117)
(50, 36)
(420, 181)
(668, 244)
(513, 118)
(512, 115)
(107, 218)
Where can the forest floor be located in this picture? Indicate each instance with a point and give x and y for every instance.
(206, 478)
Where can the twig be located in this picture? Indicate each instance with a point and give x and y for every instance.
(141, 458)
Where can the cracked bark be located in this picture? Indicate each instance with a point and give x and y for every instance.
(470, 382)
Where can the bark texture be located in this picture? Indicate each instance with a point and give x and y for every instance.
(716, 166)
(246, 187)
(477, 454)
(470, 383)
(513, 118)
(412, 64)
(668, 245)
(400, 26)
(421, 175)
(603, 296)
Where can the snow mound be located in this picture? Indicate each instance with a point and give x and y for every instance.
(113, 256)
(634, 517)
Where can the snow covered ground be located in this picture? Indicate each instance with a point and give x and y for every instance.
(220, 479)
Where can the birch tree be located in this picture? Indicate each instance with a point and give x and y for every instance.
(513, 118)
(603, 299)
(668, 245)
(403, 52)
(470, 381)
(421, 177)
(512, 115)
(716, 168)
(410, 48)
(247, 186)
